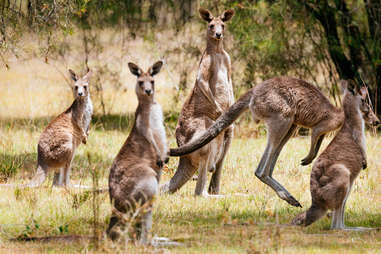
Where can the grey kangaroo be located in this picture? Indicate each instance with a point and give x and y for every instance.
(211, 96)
(63, 135)
(282, 103)
(135, 172)
(334, 172)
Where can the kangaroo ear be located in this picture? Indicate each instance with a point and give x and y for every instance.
(73, 75)
(88, 75)
(205, 14)
(363, 92)
(227, 15)
(135, 69)
(155, 69)
(352, 87)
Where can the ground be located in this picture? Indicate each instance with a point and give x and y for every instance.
(250, 218)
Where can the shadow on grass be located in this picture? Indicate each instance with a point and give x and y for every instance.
(24, 165)
(99, 122)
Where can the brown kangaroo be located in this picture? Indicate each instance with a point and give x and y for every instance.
(64, 134)
(135, 172)
(282, 103)
(211, 95)
(337, 167)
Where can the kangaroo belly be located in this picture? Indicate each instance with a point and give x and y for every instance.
(223, 90)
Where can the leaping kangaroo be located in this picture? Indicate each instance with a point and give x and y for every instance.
(211, 96)
(283, 103)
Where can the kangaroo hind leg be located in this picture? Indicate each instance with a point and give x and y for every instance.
(279, 130)
(214, 186)
(184, 172)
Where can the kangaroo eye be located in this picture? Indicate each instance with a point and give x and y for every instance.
(152, 82)
(223, 26)
(211, 26)
(140, 83)
(85, 87)
(76, 87)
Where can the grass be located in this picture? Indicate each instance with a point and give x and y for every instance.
(250, 218)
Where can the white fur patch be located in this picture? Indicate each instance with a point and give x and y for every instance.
(157, 125)
(88, 112)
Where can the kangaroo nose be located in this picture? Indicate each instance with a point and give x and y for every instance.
(80, 93)
(218, 35)
(148, 92)
(377, 122)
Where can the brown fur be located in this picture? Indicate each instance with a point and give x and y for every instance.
(337, 167)
(136, 170)
(211, 95)
(282, 103)
(63, 135)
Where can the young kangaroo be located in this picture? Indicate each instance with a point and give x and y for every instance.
(337, 167)
(136, 170)
(63, 135)
(210, 97)
(282, 103)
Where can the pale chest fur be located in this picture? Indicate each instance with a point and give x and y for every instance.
(221, 84)
(87, 113)
(156, 122)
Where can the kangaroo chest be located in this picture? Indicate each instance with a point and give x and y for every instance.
(220, 83)
(157, 125)
(87, 113)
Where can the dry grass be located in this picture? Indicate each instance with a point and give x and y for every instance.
(255, 222)
(250, 218)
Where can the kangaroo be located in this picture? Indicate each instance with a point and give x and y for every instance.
(136, 170)
(283, 103)
(64, 134)
(212, 94)
(337, 167)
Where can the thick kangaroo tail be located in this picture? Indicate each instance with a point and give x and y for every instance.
(221, 123)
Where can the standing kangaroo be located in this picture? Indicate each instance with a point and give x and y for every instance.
(210, 97)
(337, 167)
(282, 103)
(135, 172)
(64, 134)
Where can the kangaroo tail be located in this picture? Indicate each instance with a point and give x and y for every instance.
(221, 123)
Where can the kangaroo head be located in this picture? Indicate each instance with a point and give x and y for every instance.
(81, 85)
(216, 25)
(362, 100)
(145, 84)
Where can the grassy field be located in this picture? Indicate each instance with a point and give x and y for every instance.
(250, 218)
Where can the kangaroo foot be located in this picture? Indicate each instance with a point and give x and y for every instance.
(207, 195)
(163, 242)
(306, 161)
(289, 199)
(299, 220)
(164, 188)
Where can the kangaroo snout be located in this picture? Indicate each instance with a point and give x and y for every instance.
(80, 94)
(218, 35)
(148, 91)
(377, 122)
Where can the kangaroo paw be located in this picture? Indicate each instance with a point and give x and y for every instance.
(306, 161)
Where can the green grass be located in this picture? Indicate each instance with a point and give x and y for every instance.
(250, 218)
